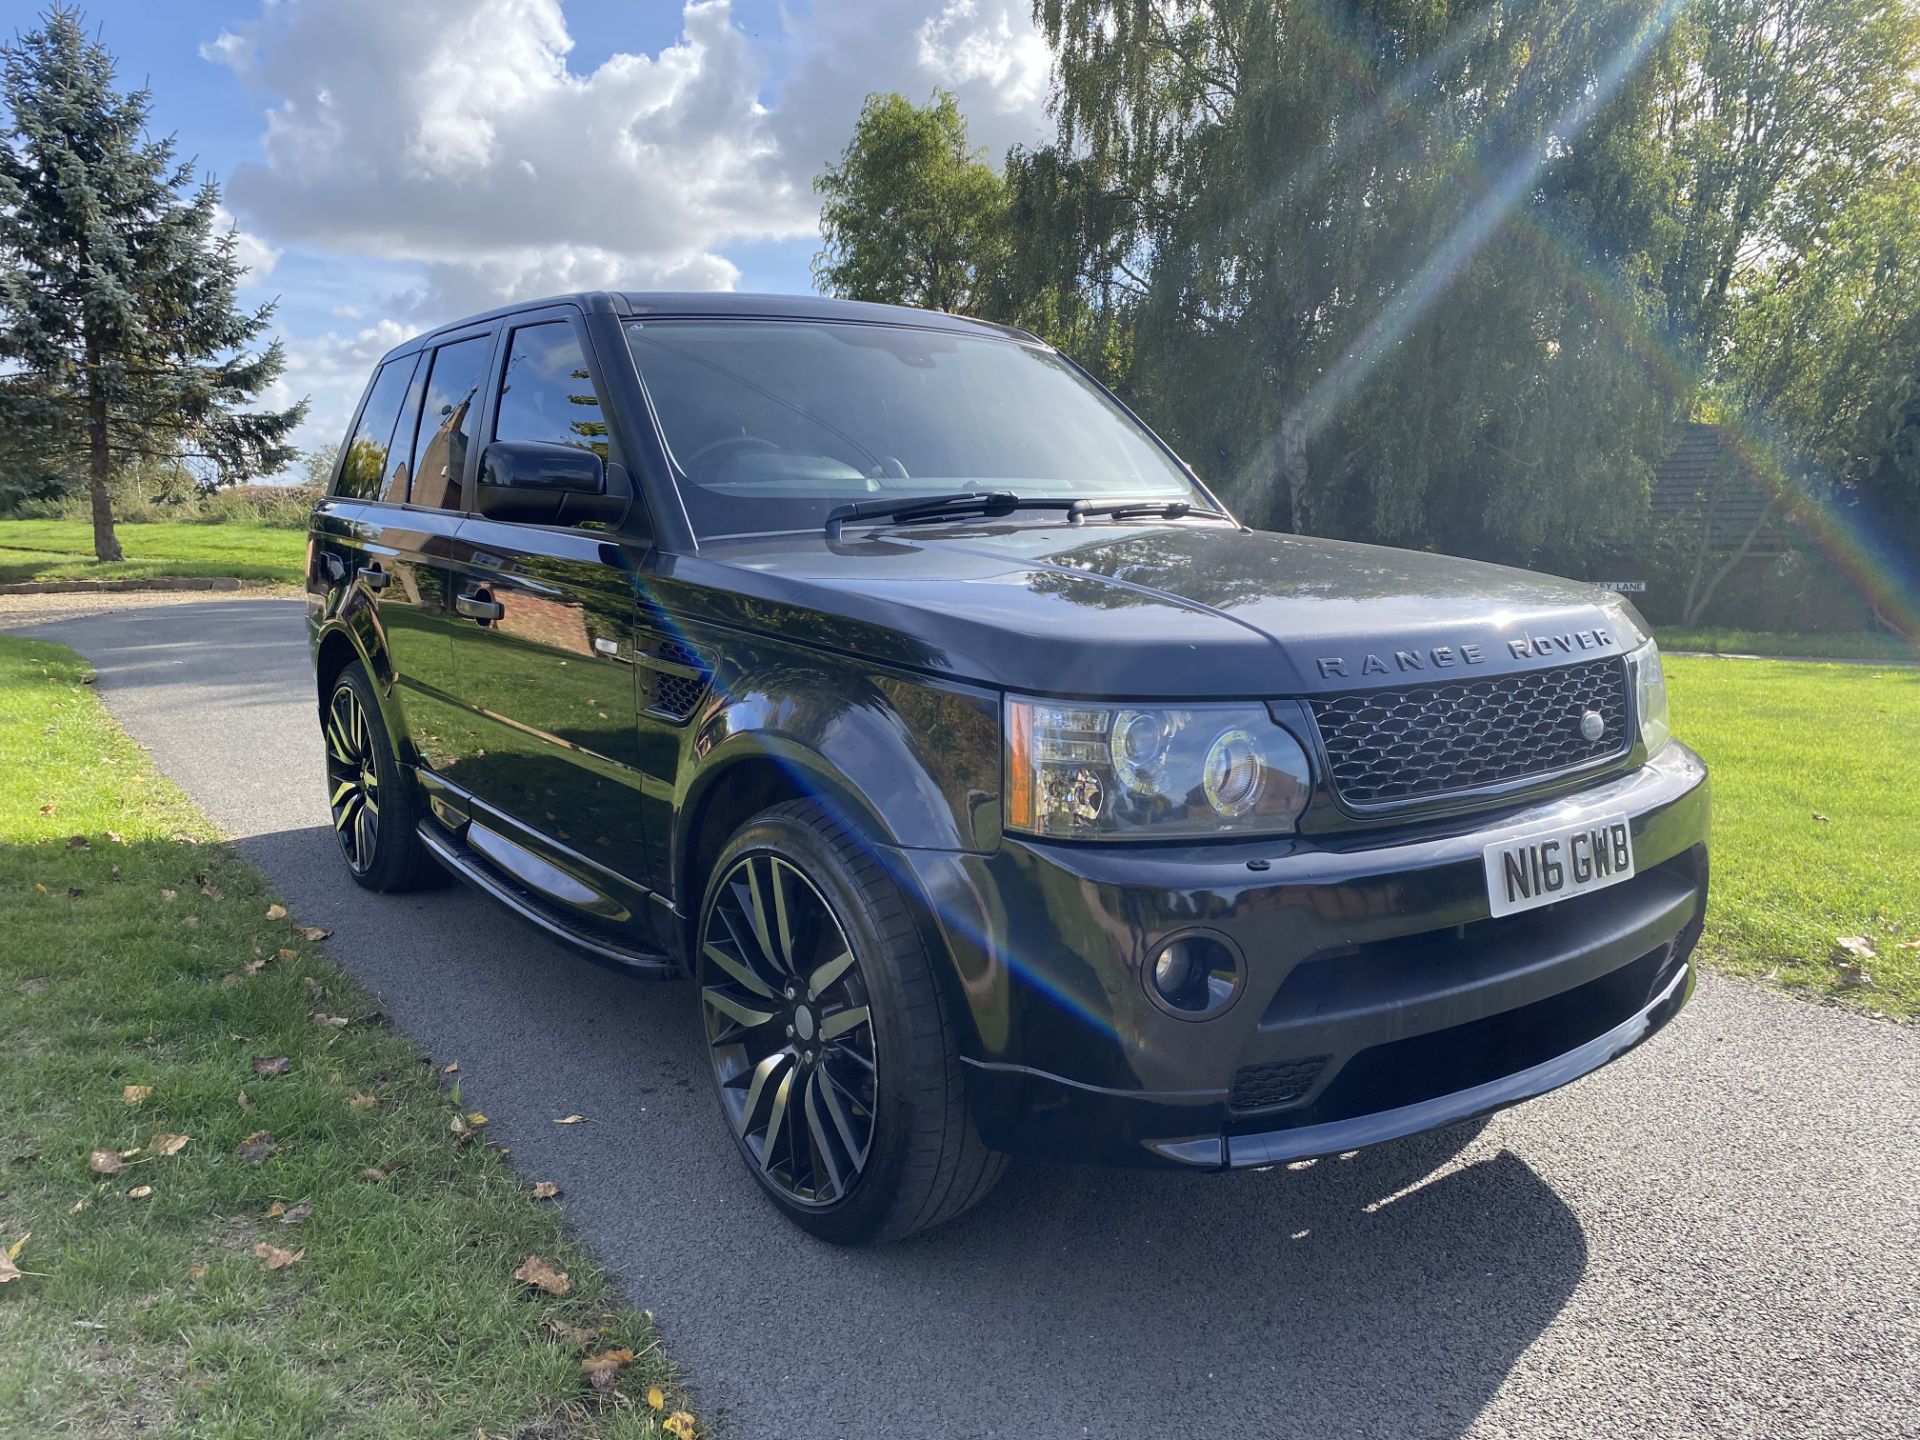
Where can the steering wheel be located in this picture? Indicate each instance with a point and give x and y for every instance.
(725, 446)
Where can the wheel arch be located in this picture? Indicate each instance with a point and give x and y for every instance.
(337, 646)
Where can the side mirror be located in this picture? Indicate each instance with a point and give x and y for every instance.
(541, 484)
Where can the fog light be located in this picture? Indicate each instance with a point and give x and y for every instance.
(1194, 977)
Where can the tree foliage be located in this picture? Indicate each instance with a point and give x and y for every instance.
(911, 215)
(120, 333)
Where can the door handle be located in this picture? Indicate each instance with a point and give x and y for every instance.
(375, 578)
(479, 606)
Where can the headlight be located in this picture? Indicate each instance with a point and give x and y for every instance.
(1650, 696)
(1109, 772)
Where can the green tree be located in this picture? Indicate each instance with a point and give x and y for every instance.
(118, 321)
(911, 215)
(1364, 300)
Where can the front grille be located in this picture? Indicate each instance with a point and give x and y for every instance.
(1401, 744)
(1273, 1083)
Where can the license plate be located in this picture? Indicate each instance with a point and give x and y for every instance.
(1548, 866)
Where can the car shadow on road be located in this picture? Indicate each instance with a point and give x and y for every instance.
(1390, 1291)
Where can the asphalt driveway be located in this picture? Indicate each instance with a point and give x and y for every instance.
(1719, 1235)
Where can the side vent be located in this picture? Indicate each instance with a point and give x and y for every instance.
(677, 677)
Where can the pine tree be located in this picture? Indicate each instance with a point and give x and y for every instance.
(120, 338)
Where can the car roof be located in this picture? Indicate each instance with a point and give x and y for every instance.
(638, 304)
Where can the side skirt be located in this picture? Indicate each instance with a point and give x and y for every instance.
(474, 868)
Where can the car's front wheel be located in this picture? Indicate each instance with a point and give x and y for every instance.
(836, 1065)
(372, 802)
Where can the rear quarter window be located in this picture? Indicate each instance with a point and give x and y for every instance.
(363, 467)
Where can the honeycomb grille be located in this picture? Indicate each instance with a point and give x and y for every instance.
(676, 695)
(1273, 1083)
(1404, 744)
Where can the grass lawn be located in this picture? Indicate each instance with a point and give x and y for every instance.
(147, 980)
(63, 550)
(1845, 645)
(1816, 829)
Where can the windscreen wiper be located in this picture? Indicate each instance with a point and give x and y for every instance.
(925, 507)
(1005, 502)
(1139, 509)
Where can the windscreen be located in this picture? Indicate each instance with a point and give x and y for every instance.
(774, 423)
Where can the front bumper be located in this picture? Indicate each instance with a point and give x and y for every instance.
(1380, 997)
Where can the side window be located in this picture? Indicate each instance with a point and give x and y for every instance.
(547, 393)
(447, 420)
(365, 462)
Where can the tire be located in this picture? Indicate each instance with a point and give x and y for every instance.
(374, 802)
(854, 1120)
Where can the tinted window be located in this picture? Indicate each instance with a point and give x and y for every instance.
(446, 422)
(547, 393)
(774, 423)
(365, 463)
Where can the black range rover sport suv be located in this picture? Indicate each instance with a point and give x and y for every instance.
(999, 791)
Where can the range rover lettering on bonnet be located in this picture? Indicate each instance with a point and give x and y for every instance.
(1448, 657)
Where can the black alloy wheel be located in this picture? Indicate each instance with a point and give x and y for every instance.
(353, 779)
(789, 1030)
(375, 804)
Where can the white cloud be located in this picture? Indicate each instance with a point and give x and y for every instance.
(455, 135)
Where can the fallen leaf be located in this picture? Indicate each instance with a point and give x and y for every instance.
(9, 1270)
(450, 1069)
(39, 887)
(114, 871)
(82, 1203)
(286, 954)
(476, 1119)
(105, 1162)
(679, 1425)
(1854, 948)
(463, 1132)
(329, 1022)
(1853, 977)
(212, 892)
(1821, 818)
(169, 894)
(276, 1258)
(315, 990)
(257, 1147)
(577, 1336)
(546, 1190)
(129, 1154)
(140, 1192)
(311, 932)
(243, 1100)
(276, 1065)
(74, 892)
(197, 1272)
(655, 1400)
(233, 981)
(373, 1175)
(116, 837)
(13, 1250)
(190, 920)
(49, 807)
(360, 1100)
(134, 1094)
(538, 1273)
(602, 1371)
(276, 912)
(294, 1214)
(571, 1120)
(253, 967)
(79, 842)
(1910, 945)
(276, 1210)
(166, 1144)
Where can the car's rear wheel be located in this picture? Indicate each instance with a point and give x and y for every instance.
(837, 1068)
(374, 804)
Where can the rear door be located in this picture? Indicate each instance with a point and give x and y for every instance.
(393, 589)
(548, 752)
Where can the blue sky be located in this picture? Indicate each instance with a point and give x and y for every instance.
(394, 163)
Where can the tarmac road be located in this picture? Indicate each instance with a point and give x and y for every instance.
(1720, 1235)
